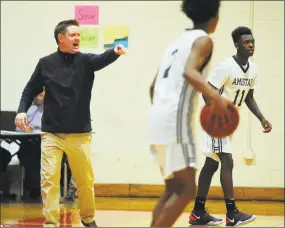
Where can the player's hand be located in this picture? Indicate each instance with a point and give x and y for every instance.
(220, 105)
(219, 108)
(266, 126)
(120, 49)
(29, 129)
(21, 121)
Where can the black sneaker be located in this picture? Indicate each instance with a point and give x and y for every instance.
(238, 218)
(201, 217)
(91, 224)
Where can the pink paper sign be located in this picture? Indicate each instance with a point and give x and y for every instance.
(87, 15)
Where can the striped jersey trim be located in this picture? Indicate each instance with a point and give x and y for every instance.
(180, 112)
(179, 127)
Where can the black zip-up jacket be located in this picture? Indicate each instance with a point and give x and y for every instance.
(68, 81)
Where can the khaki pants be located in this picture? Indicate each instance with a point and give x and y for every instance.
(78, 149)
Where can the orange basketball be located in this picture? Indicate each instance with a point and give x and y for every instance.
(219, 126)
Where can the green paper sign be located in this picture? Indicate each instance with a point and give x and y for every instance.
(89, 37)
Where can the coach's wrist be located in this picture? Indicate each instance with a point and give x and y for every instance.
(262, 119)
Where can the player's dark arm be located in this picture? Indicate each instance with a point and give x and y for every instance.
(98, 62)
(151, 89)
(205, 98)
(252, 105)
(200, 53)
(32, 88)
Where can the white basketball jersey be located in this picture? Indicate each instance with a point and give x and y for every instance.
(233, 80)
(170, 116)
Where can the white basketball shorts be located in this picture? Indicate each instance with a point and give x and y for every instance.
(173, 157)
(212, 146)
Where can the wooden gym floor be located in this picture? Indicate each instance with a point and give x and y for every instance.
(134, 212)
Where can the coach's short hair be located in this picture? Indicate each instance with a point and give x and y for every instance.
(61, 27)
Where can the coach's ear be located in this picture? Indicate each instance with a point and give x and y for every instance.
(237, 45)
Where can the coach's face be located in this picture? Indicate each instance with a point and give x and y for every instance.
(246, 45)
(70, 40)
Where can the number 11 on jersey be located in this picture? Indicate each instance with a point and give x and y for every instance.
(236, 97)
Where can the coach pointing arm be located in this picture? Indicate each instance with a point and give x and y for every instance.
(98, 62)
(35, 85)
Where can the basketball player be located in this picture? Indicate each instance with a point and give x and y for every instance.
(236, 79)
(173, 95)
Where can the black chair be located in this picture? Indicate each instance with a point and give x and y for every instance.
(7, 120)
(7, 123)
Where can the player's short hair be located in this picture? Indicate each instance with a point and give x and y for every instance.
(239, 31)
(200, 11)
(61, 27)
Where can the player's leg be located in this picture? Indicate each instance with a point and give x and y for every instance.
(78, 149)
(226, 175)
(51, 155)
(199, 215)
(171, 187)
(158, 152)
(176, 203)
(234, 217)
(176, 162)
(163, 199)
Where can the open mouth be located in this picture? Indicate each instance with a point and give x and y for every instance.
(76, 45)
